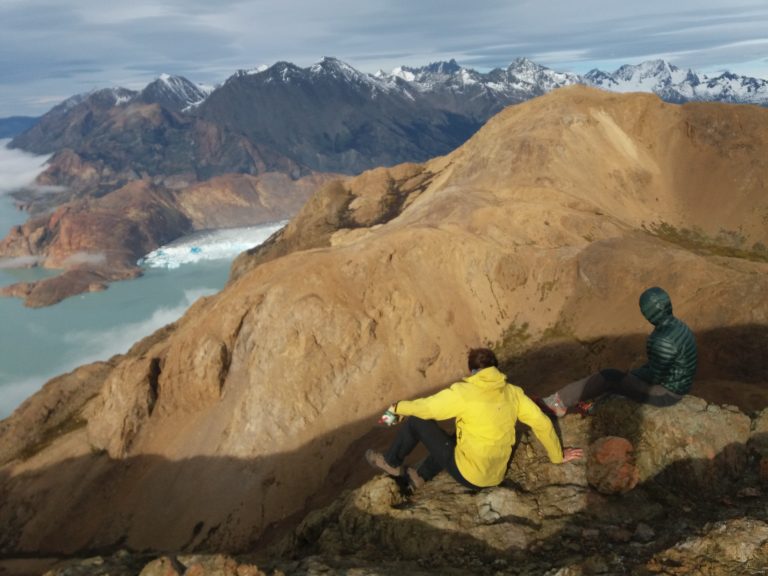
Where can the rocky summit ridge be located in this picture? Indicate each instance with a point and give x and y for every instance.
(677, 490)
(535, 237)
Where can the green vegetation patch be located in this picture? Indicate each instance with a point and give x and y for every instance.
(515, 340)
(727, 243)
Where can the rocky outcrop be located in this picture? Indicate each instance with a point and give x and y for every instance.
(536, 237)
(372, 199)
(544, 516)
(543, 519)
(97, 241)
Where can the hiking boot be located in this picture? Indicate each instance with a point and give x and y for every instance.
(376, 459)
(415, 481)
(554, 404)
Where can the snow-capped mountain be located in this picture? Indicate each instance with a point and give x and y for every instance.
(521, 78)
(524, 79)
(331, 117)
(335, 69)
(674, 84)
(650, 76)
(175, 92)
(102, 97)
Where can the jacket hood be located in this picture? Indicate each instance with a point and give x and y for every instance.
(655, 305)
(489, 377)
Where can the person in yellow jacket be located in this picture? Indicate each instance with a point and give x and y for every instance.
(486, 408)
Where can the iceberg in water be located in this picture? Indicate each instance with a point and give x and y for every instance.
(209, 245)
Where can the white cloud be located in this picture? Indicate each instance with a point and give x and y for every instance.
(19, 262)
(17, 168)
(93, 346)
(66, 48)
(103, 344)
(87, 258)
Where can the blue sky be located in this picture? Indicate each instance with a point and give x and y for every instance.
(51, 49)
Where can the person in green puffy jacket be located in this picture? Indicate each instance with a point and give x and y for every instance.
(662, 381)
(486, 409)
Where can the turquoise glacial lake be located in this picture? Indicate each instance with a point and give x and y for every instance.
(38, 344)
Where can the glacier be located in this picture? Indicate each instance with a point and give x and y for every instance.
(209, 245)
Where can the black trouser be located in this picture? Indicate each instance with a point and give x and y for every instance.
(439, 443)
(615, 381)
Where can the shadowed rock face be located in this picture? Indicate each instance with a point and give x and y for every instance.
(537, 236)
(546, 517)
(701, 503)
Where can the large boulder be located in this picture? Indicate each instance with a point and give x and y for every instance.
(611, 465)
(691, 445)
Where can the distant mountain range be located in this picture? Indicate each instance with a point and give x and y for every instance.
(137, 157)
(330, 116)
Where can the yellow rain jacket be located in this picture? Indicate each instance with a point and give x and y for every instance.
(486, 408)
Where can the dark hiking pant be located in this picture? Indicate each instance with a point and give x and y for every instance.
(440, 445)
(617, 382)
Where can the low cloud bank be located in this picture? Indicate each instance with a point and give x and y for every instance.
(103, 344)
(19, 169)
(92, 346)
(19, 262)
(85, 258)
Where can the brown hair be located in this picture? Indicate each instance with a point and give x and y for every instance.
(479, 358)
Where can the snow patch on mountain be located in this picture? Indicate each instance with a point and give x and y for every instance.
(174, 92)
(676, 85)
(450, 82)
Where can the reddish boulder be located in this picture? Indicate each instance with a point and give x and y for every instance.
(611, 465)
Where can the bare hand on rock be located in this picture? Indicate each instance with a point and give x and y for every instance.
(570, 454)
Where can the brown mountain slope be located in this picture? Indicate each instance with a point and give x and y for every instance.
(99, 240)
(530, 237)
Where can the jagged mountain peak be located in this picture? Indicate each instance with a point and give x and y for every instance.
(280, 70)
(335, 68)
(117, 95)
(283, 71)
(658, 76)
(525, 63)
(329, 63)
(175, 92)
(659, 69)
(104, 97)
(433, 77)
(441, 67)
(674, 84)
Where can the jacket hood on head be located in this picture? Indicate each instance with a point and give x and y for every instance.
(489, 377)
(655, 305)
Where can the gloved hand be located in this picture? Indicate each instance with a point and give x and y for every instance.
(389, 418)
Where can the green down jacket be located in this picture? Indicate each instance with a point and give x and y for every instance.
(671, 347)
